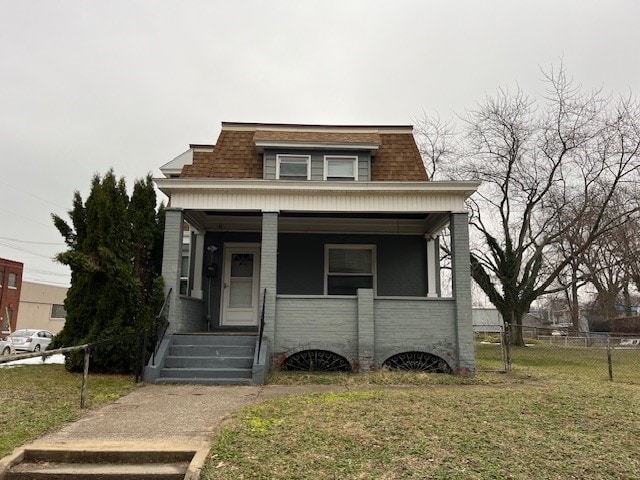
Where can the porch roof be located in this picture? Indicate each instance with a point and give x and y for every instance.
(315, 196)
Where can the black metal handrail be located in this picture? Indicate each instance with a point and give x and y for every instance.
(161, 325)
(261, 331)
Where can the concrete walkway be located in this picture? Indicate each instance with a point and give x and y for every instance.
(163, 418)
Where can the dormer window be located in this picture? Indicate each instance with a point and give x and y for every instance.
(340, 167)
(293, 167)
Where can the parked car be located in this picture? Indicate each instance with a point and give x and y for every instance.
(629, 343)
(31, 340)
(5, 346)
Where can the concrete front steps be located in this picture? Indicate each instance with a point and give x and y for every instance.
(55, 464)
(216, 359)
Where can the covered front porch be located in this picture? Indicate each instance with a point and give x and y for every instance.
(365, 287)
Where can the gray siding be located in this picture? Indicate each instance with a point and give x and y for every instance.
(317, 162)
(401, 262)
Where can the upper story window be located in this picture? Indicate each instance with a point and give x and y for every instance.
(12, 282)
(340, 167)
(293, 167)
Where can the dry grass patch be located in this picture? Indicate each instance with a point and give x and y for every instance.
(36, 398)
(564, 430)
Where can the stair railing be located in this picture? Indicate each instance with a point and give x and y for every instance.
(161, 325)
(261, 331)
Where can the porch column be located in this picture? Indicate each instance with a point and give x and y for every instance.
(432, 268)
(366, 329)
(171, 262)
(198, 245)
(461, 277)
(268, 271)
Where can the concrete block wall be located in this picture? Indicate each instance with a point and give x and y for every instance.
(268, 273)
(190, 316)
(171, 261)
(309, 323)
(461, 276)
(366, 330)
(404, 325)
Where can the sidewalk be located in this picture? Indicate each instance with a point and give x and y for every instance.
(163, 418)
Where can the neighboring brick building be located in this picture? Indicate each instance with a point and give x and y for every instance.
(10, 287)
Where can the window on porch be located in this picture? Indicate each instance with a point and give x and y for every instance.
(349, 267)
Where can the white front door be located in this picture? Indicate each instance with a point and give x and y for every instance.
(241, 278)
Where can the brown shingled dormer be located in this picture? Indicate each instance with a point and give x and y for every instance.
(238, 151)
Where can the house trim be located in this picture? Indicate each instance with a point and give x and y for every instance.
(316, 196)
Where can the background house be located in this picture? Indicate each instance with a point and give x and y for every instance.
(42, 307)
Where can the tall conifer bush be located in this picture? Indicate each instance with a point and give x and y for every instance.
(115, 254)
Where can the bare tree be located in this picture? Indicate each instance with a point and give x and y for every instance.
(537, 161)
(436, 139)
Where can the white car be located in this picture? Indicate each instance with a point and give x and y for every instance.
(30, 340)
(5, 346)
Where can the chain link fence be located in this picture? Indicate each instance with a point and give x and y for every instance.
(556, 351)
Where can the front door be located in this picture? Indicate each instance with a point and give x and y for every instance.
(241, 277)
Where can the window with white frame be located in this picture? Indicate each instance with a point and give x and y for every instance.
(293, 167)
(184, 270)
(349, 267)
(340, 167)
(12, 282)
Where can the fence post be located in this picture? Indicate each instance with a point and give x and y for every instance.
(85, 375)
(609, 358)
(506, 349)
(142, 350)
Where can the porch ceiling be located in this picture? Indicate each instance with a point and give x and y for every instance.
(408, 224)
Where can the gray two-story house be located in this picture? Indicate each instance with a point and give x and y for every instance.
(311, 247)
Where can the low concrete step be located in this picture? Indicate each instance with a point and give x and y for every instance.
(211, 350)
(97, 471)
(188, 361)
(204, 381)
(214, 339)
(218, 373)
(58, 463)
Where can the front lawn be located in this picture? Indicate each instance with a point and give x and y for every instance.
(37, 398)
(546, 420)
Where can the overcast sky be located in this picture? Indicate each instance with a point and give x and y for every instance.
(89, 85)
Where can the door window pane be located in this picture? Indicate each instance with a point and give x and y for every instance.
(240, 293)
(241, 265)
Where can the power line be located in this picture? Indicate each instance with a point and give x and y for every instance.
(32, 194)
(28, 241)
(31, 279)
(25, 218)
(26, 251)
(48, 272)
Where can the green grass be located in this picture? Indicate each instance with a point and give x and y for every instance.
(556, 416)
(37, 398)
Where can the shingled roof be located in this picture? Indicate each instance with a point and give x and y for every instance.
(236, 154)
